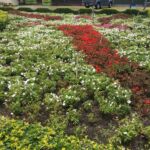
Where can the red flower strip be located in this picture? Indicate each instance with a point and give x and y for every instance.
(96, 47)
(147, 101)
(112, 26)
(106, 20)
(37, 16)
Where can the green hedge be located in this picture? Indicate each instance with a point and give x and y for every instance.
(107, 11)
(64, 10)
(26, 9)
(85, 11)
(132, 12)
(3, 20)
(43, 10)
(6, 8)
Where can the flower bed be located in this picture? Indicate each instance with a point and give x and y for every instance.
(38, 16)
(106, 20)
(99, 54)
(45, 79)
(96, 47)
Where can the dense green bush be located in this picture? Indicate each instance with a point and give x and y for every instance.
(43, 10)
(146, 13)
(85, 11)
(64, 10)
(132, 11)
(6, 8)
(26, 9)
(146, 131)
(3, 20)
(109, 11)
(129, 128)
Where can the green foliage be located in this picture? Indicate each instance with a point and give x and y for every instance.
(23, 136)
(43, 10)
(3, 20)
(64, 10)
(27, 9)
(117, 101)
(146, 13)
(132, 11)
(87, 105)
(146, 131)
(129, 128)
(109, 11)
(73, 95)
(85, 11)
(6, 8)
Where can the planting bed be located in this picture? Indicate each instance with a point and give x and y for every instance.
(69, 83)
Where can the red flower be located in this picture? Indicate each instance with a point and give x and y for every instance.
(38, 16)
(136, 89)
(147, 101)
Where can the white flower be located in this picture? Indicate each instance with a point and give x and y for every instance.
(129, 102)
(11, 113)
(125, 133)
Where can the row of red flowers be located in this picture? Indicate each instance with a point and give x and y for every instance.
(106, 20)
(112, 26)
(96, 47)
(37, 16)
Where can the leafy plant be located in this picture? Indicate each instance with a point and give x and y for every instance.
(3, 20)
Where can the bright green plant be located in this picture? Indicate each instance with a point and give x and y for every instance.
(129, 128)
(3, 19)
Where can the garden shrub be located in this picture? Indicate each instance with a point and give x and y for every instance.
(146, 132)
(64, 10)
(109, 11)
(43, 10)
(6, 8)
(23, 136)
(26, 9)
(132, 11)
(129, 128)
(85, 11)
(3, 19)
(146, 13)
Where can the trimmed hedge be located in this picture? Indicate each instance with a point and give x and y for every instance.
(132, 12)
(6, 8)
(43, 10)
(109, 11)
(64, 10)
(26, 9)
(85, 11)
(3, 20)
